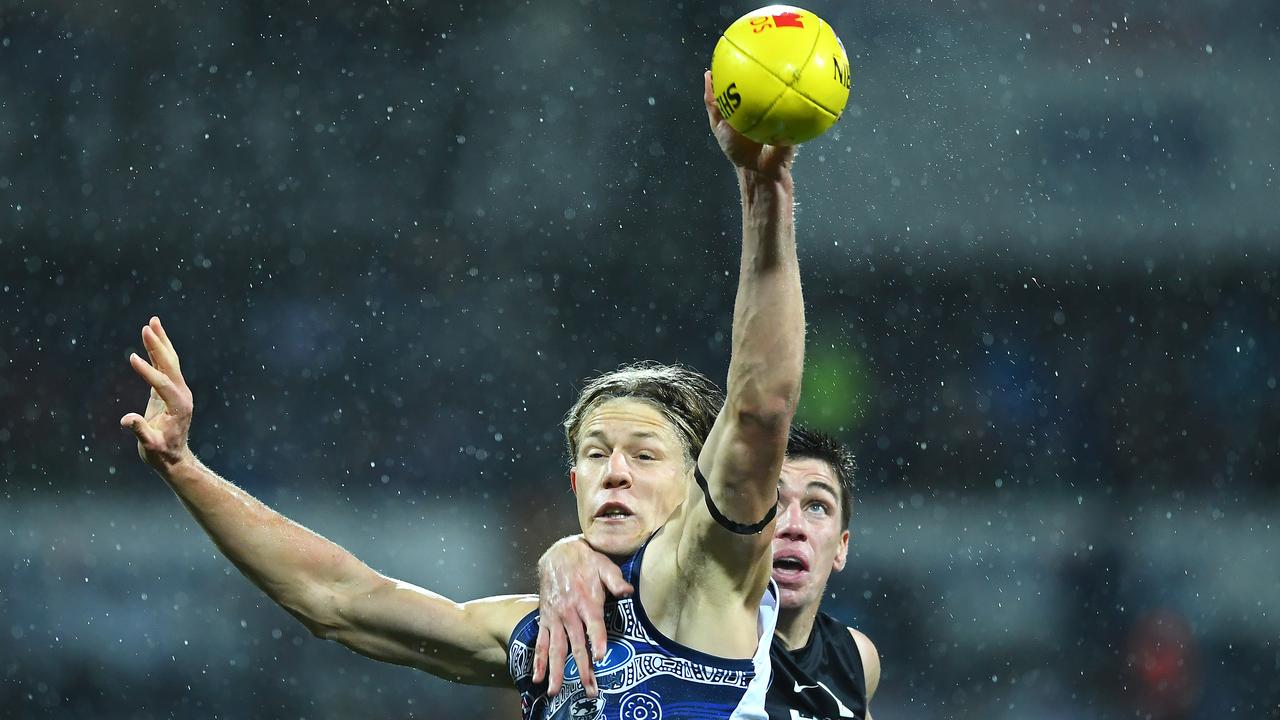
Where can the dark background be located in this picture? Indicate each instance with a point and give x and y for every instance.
(389, 241)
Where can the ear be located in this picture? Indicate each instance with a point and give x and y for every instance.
(573, 483)
(842, 554)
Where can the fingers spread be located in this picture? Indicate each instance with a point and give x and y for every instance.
(147, 435)
(158, 329)
(170, 354)
(152, 343)
(162, 354)
(154, 377)
(159, 382)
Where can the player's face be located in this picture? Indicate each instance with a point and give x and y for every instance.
(809, 542)
(629, 475)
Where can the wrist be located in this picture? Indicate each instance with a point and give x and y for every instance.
(777, 181)
(559, 548)
(179, 464)
(569, 541)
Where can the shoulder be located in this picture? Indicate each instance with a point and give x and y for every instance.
(870, 660)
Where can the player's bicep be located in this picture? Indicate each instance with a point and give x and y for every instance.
(721, 544)
(731, 507)
(741, 462)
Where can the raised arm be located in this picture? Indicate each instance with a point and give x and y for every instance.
(743, 453)
(333, 593)
(710, 565)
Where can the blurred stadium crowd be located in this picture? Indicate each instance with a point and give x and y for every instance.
(389, 242)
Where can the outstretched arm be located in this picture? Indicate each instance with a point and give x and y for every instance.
(333, 593)
(743, 454)
(713, 560)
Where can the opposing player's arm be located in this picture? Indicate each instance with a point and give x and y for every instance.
(332, 592)
(870, 664)
(572, 581)
(744, 451)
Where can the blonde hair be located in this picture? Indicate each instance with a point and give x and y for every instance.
(687, 399)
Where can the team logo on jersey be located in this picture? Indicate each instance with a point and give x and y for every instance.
(587, 709)
(616, 655)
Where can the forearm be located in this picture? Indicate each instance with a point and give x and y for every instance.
(334, 594)
(745, 448)
(297, 568)
(768, 321)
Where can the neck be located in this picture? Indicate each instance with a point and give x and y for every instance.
(795, 625)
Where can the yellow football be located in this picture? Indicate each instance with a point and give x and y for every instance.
(780, 75)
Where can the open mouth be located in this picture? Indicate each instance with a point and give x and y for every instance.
(613, 511)
(786, 567)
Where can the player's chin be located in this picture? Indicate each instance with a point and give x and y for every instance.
(617, 540)
(794, 598)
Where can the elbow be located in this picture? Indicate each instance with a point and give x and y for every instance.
(769, 414)
(765, 387)
(324, 610)
(309, 612)
(766, 401)
(318, 629)
(321, 623)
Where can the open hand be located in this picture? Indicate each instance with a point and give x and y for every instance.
(571, 594)
(162, 431)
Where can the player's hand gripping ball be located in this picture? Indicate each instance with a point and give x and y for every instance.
(780, 75)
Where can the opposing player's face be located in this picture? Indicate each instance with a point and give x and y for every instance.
(629, 475)
(809, 542)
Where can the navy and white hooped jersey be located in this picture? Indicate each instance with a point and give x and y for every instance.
(645, 675)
